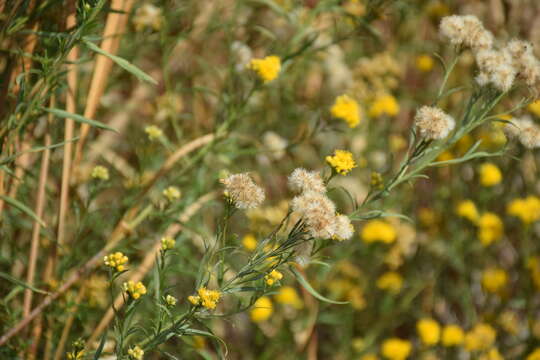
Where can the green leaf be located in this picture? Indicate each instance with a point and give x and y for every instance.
(19, 205)
(126, 65)
(99, 350)
(78, 118)
(311, 290)
(21, 283)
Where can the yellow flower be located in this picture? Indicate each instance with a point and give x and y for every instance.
(134, 289)
(535, 355)
(378, 230)
(136, 353)
(116, 261)
(424, 63)
(494, 279)
(170, 300)
(347, 109)
(148, 16)
(274, 276)
(262, 309)
(249, 242)
(172, 193)
(452, 335)
(267, 68)
(526, 209)
(490, 228)
(384, 105)
(287, 295)
(206, 298)
(481, 337)
(429, 331)
(100, 172)
(342, 161)
(396, 349)
(153, 132)
(534, 107)
(390, 281)
(490, 175)
(468, 210)
(445, 156)
(509, 321)
(167, 243)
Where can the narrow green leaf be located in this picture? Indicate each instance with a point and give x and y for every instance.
(126, 65)
(19, 205)
(78, 118)
(99, 350)
(21, 283)
(311, 290)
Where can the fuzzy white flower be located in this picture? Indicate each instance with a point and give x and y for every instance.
(344, 228)
(302, 180)
(275, 143)
(318, 212)
(496, 67)
(433, 123)
(243, 192)
(466, 30)
(525, 130)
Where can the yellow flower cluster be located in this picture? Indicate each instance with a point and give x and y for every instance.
(490, 228)
(494, 279)
(134, 289)
(535, 355)
(100, 172)
(116, 261)
(170, 300)
(342, 161)
(480, 338)
(384, 105)
(249, 242)
(167, 243)
(424, 63)
(429, 331)
(136, 353)
(206, 298)
(153, 132)
(390, 281)
(396, 349)
(267, 68)
(526, 209)
(274, 276)
(172, 193)
(452, 335)
(467, 209)
(287, 295)
(490, 175)
(347, 109)
(262, 309)
(378, 230)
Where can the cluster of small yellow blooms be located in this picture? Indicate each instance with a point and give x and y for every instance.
(153, 132)
(167, 243)
(526, 209)
(490, 228)
(148, 16)
(78, 352)
(267, 68)
(242, 191)
(376, 181)
(490, 175)
(170, 300)
(262, 309)
(134, 289)
(249, 242)
(452, 335)
(433, 123)
(347, 109)
(396, 349)
(287, 295)
(480, 338)
(378, 230)
(116, 261)
(467, 209)
(274, 276)
(172, 193)
(377, 74)
(136, 353)
(342, 161)
(494, 279)
(384, 104)
(424, 63)
(206, 298)
(429, 331)
(100, 172)
(390, 281)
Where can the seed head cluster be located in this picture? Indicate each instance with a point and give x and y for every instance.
(243, 192)
(466, 31)
(433, 123)
(525, 130)
(302, 180)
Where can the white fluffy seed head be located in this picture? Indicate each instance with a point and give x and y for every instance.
(243, 192)
(433, 123)
(318, 213)
(497, 68)
(302, 180)
(344, 228)
(466, 30)
(452, 27)
(525, 130)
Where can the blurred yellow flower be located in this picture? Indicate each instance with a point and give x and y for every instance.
(271, 278)
(100, 172)
(390, 281)
(378, 230)
(342, 161)
(135, 353)
(287, 295)
(384, 105)
(481, 337)
(249, 242)
(153, 132)
(206, 298)
(347, 109)
(429, 331)
(424, 63)
(134, 289)
(494, 279)
(534, 107)
(262, 309)
(467, 209)
(445, 156)
(172, 193)
(490, 228)
(148, 15)
(509, 321)
(267, 68)
(535, 355)
(170, 300)
(452, 335)
(167, 243)
(396, 349)
(526, 209)
(490, 175)
(491, 354)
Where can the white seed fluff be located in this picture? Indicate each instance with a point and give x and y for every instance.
(433, 123)
(244, 193)
(302, 180)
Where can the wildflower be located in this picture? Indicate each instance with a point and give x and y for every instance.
(481, 337)
(433, 123)
(134, 289)
(496, 68)
(153, 132)
(318, 213)
(494, 279)
(262, 309)
(346, 109)
(390, 281)
(378, 230)
(100, 172)
(452, 335)
(429, 331)
(170, 300)
(396, 349)
(167, 243)
(526, 64)
(274, 276)
(424, 63)
(267, 68)
(342, 161)
(526, 209)
(525, 130)
(384, 105)
(509, 321)
(303, 180)
(490, 228)
(275, 144)
(172, 193)
(206, 298)
(136, 353)
(78, 352)
(287, 295)
(148, 15)
(243, 192)
(344, 228)
(467, 209)
(466, 30)
(116, 261)
(535, 355)
(490, 175)
(249, 242)
(534, 107)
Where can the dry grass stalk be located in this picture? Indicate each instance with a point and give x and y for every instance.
(67, 327)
